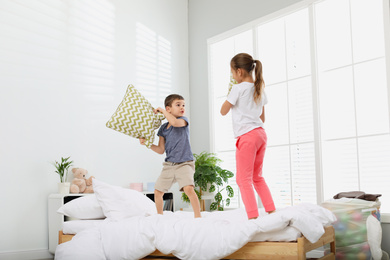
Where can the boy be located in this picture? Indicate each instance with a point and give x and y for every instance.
(179, 166)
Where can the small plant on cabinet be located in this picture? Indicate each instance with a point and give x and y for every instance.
(63, 168)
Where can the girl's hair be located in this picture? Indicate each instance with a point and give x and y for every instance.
(169, 99)
(246, 62)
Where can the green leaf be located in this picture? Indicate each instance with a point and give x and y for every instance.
(229, 174)
(220, 209)
(213, 206)
(227, 202)
(230, 191)
(198, 194)
(219, 181)
(185, 198)
(226, 174)
(203, 185)
(212, 188)
(218, 197)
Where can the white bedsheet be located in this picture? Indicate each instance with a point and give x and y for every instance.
(216, 235)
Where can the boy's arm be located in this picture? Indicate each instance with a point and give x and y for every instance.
(160, 148)
(173, 121)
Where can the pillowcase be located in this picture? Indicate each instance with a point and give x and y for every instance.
(135, 117)
(76, 226)
(119, 203)
(85, 207)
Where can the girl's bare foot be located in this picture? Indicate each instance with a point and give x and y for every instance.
(270, 212)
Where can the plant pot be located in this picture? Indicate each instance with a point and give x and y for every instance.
(63, 187)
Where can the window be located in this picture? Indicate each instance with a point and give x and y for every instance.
(327, 119)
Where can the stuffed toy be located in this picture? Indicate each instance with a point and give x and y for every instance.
(80, 184)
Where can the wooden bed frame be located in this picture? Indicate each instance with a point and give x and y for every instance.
(264, 250)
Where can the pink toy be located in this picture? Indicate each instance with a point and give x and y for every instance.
(357, 216)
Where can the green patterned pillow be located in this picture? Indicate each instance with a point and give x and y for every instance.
(135, 117)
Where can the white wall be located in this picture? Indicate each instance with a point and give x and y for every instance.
(210, 18)
(64, 68)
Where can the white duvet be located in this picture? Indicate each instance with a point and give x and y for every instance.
(214, 236)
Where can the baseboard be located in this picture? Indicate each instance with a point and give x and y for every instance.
(27, 255)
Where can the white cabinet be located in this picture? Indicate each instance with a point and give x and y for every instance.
(55, 219)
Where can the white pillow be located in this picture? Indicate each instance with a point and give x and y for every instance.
(76, 226)
(85, 207)
(119, 203)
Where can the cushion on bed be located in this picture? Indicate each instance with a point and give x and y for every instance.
(119, 203)
(135, 117)
(85, 207)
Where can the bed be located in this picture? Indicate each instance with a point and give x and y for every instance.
(263, 250)
(131, 229)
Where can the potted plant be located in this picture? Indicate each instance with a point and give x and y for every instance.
(62, 169)
(210, 177)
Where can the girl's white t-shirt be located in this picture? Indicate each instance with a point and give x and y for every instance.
(245, 111)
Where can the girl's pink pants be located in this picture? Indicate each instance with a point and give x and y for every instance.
(249, 164)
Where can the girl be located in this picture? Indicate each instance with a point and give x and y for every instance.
(246, 100)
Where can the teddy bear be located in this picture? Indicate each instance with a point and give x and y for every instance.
(80, 184)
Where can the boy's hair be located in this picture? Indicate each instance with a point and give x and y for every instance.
(169, 99)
